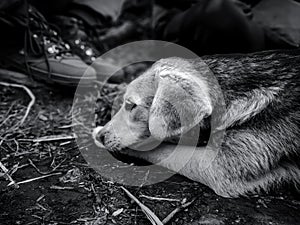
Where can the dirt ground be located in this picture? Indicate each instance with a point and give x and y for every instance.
(73, 193)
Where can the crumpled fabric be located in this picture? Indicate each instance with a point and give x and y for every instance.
(280, 19)
(107, 8)
(209, 26)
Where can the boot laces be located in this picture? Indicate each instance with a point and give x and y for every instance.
(42, 40)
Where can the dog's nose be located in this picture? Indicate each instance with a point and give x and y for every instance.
(99, 137)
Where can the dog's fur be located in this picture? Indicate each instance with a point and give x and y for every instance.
(261, 145)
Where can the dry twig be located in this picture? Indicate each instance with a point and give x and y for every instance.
(36, 178)
(108, 85)
(29, 92)
(160, 199)
(54, 187)
(98, 199)
(50, 138)
(150, 215)
(45, 173)
(177, 210)
(6, 174)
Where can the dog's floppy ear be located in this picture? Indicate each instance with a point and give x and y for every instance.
(181, 100)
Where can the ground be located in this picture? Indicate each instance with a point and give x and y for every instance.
(76, 194)
(68, 191)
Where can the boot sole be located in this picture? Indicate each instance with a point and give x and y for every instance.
(40, 75)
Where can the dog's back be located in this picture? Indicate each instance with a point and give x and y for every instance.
(239, 73)
(270, 83)
(262, 95)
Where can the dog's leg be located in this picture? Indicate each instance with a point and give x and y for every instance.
(247, 162)
(250, 161)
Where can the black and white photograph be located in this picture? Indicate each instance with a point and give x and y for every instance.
(150, 112)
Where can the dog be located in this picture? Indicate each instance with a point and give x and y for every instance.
(257, 99)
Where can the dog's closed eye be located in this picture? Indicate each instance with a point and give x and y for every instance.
(129, 105)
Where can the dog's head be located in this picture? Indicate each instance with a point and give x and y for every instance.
(166, 101)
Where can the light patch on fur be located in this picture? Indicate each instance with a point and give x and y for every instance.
(177, 67)
(179, 85)
(241, 110)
